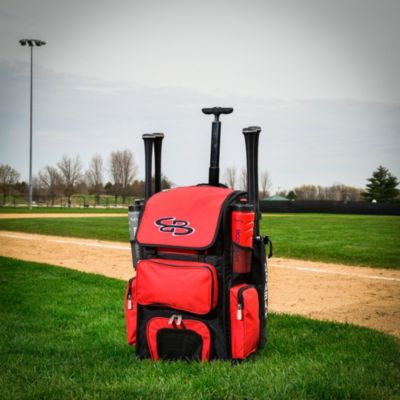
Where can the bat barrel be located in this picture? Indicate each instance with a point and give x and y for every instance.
(158, 138)
(251, 136)
(148, 152)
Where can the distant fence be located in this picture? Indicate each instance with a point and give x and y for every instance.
(326, 206)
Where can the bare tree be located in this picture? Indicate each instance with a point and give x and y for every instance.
(50, 181)
(336, 192)
(94, 176)
(8, 178)
(243, 178)
(265, 184)
(123, 170)
(306, 192)
(230, 177)
(71, 173)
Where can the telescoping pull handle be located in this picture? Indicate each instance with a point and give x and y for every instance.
(213, 177)
(217, 111)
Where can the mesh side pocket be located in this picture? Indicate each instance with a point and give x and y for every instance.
(174, 344)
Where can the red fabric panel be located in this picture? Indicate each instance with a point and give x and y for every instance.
(182, 217)
(131, 311)
(157, 323)
(184, 285)
(245, 332)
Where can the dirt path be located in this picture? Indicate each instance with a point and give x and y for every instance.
(364, 296)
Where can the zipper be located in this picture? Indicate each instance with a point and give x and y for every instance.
(240, 301)
(129, 294)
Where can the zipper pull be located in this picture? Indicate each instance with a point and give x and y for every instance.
(179, 319)
(129, 294)
(171, 319)
(239, 312)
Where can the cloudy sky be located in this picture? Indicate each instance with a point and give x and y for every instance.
(320, 77)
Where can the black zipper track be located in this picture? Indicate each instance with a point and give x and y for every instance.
(240, 294)
(129, 292)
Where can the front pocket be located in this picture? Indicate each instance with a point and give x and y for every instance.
(245, 322)
(184, 285)
(131, 311)
(177, 338)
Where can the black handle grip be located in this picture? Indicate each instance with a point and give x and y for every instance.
(217, 111)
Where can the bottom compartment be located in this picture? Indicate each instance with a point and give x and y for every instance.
(245, 321)
(176, 338)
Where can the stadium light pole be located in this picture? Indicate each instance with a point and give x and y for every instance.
(31, 43)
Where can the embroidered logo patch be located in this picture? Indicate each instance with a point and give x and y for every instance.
(176, 227)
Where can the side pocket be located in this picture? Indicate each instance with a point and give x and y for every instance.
(245, 323)
(131, 311)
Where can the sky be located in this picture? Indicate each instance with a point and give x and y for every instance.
(320, 77)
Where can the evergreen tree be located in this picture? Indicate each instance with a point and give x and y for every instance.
(382, 186)
(291, 195)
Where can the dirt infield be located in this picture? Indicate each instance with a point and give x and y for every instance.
(364, 296)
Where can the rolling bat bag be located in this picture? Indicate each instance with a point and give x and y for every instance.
(200, 286)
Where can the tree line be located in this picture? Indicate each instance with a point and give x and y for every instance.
(68, 177)
(381, 187)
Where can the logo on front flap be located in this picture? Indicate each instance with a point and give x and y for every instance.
(176, 227)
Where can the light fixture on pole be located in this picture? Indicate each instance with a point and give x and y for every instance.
(31, 43)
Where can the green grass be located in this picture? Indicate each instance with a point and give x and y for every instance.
(52, 210)
(106, 228)
(78, 200)
(63, 337)
(349, 239)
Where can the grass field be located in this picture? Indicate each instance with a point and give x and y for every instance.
(52, 210)
(77, 200)
(63, 336)
(349, 239)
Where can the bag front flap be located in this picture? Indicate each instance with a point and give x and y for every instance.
(186, 217)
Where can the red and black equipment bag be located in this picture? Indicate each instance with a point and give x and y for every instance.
(187, 301)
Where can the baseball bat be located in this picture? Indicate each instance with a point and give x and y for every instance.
(158, 138)
(148, 152)
(251, 136)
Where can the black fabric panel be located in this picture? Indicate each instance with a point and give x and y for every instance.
(142, 349)
(259, 279)
(178, 344)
